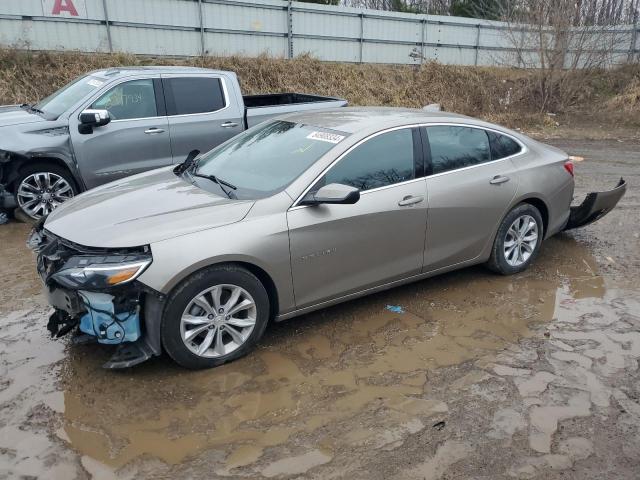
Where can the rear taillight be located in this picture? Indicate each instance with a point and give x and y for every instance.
(568, 166)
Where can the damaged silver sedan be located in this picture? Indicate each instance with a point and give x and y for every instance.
(293, 215)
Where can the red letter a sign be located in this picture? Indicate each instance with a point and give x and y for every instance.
(64, 6)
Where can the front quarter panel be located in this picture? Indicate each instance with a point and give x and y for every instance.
(261, 239)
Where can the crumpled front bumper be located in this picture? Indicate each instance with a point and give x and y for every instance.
(595, 206)
(108, 310)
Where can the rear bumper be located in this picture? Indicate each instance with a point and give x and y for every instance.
(595, 206)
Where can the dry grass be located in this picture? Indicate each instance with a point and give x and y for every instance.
(497, 94)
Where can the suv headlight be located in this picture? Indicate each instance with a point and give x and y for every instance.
(100, 272)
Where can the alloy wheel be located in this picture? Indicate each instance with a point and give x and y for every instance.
(520, 240)
(41, 192)
(218, 320)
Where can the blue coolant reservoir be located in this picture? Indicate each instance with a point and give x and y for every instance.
(101, 322)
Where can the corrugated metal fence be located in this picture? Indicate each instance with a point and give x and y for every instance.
(275, 27)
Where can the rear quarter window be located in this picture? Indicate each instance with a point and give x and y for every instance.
(502, 146)
(191, 95)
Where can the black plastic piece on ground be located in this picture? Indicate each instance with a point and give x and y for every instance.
(595, 206)
(130, 354)
(60, 323)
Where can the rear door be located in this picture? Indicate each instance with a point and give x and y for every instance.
(470, 182)
(340, 249)
(136, 139)
(202, 112)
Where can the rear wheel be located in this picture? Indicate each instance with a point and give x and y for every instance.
(518, 240)
(42, 187)
(216, 316)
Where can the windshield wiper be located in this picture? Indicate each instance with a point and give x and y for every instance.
(221, 183)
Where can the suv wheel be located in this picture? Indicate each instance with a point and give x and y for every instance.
(215, 316)
(41, 188)
(518, 240)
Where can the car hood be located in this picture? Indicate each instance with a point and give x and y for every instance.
(14, 115)
(141, 210)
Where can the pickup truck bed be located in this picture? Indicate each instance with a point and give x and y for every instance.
(261, 107)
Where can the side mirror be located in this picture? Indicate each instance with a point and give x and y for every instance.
(334, 193)
(91, 118)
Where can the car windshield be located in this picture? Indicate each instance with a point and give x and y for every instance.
(266, 158)
(59, 102)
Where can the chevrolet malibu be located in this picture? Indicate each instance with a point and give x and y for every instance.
(293, 215)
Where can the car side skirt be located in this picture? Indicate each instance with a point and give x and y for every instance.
(379, 288)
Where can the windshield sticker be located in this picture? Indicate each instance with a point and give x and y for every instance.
(95, 83)
(326, 137)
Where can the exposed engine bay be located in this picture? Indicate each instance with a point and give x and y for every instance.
(95, 295)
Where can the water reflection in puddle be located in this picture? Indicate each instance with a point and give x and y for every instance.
(319, 370)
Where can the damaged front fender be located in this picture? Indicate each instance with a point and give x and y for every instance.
(89, 292)
(595, 206)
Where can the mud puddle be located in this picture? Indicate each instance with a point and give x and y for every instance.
(355, 379)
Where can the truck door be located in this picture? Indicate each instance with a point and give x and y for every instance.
(202, 112)
(136, 139)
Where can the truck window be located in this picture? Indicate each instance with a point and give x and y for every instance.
(129, 100)
(190, 95)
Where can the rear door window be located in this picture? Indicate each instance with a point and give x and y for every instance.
(129, 100)
(454, 147)
(189, 95)
(384, 160)
(502, 146)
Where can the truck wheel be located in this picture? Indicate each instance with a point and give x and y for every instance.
(215, 316)
(518, 240)
(42, 187)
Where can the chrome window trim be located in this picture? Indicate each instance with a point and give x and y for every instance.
(296, 204)
(225, 92)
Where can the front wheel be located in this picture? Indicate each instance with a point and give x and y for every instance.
(215, 316)
(41, 188)
(518, 240)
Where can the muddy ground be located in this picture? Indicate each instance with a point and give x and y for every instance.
(482, 376)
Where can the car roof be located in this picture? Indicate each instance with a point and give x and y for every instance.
(128, 70)
(364, 119)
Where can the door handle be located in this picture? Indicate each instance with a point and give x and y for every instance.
(153, 131)
(410, 200)
(498, 179)
(228, 124)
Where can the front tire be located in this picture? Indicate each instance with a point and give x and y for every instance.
(518, 240)
(42, 187)
(215, 316)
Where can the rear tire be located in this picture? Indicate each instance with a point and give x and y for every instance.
(41, 187)
(518, 240)
(215, 316)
